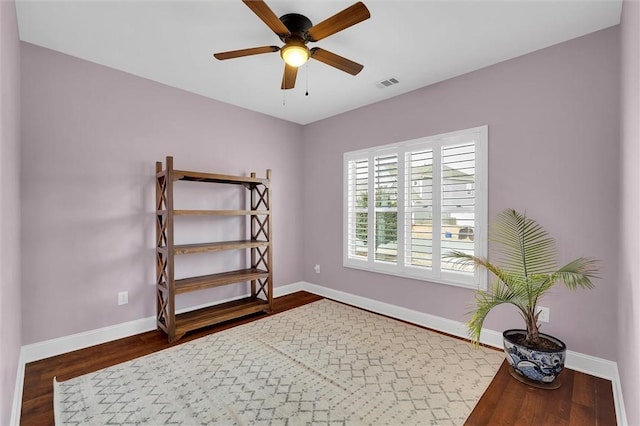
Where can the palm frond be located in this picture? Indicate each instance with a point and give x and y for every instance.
(462, 259)
(497, 294)
(522, 245)
(578, 273)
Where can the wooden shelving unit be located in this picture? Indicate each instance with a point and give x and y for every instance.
(259, 273)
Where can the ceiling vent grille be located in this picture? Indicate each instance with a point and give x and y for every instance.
(387, 83)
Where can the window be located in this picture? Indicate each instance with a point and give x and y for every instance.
(407, 204)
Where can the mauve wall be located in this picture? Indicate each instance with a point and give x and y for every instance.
(629, 276)
(553, 119)
(10, 316)
(91, 137)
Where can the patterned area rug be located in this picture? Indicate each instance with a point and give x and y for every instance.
(317, 364)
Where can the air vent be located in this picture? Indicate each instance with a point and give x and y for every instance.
(387, 83)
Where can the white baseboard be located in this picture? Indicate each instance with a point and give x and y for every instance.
(61, 345)
(288, 289)
(17, 393)
(580, 362)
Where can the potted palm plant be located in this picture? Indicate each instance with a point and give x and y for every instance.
(524, 269)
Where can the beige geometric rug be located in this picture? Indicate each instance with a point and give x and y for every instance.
(320, 363)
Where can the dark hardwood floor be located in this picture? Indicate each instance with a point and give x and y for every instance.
(581, 400)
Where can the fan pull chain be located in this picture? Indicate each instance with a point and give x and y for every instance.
(306, 69)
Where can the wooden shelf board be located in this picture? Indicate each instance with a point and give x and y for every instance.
(220, 212)
(217, 178)
(219, 313)
(223, 245)
(215, 280)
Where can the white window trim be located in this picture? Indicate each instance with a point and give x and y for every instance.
(459, 279)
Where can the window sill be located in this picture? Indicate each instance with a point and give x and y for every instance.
(466, 281)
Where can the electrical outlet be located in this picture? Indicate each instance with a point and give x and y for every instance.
(317, 269)
(544, 314)
(123, 298)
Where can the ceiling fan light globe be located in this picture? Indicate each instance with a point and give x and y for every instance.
(294, 54)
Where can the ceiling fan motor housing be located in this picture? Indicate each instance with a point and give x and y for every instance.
(298, 25)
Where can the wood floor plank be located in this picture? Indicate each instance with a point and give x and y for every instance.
(506, 401)
(605, 405)
(581, 415)
(584, 390)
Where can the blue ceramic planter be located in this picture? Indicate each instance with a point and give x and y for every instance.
(538, 365)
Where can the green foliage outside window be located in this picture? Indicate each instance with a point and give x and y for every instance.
(386, 223)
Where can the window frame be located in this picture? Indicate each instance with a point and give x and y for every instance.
(477, 280)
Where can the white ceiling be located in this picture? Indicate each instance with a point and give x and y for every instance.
(417, 42)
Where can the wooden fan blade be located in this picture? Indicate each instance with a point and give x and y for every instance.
(350, 16)
(289, 77)
(263, 11)
(336, 61)
(245, 52)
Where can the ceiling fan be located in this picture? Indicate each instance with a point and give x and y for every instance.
(296, 31)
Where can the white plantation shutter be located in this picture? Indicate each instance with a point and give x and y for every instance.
(458, 200)
(358, 210)
(409, 204)
(419, 208)
(385, 174)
